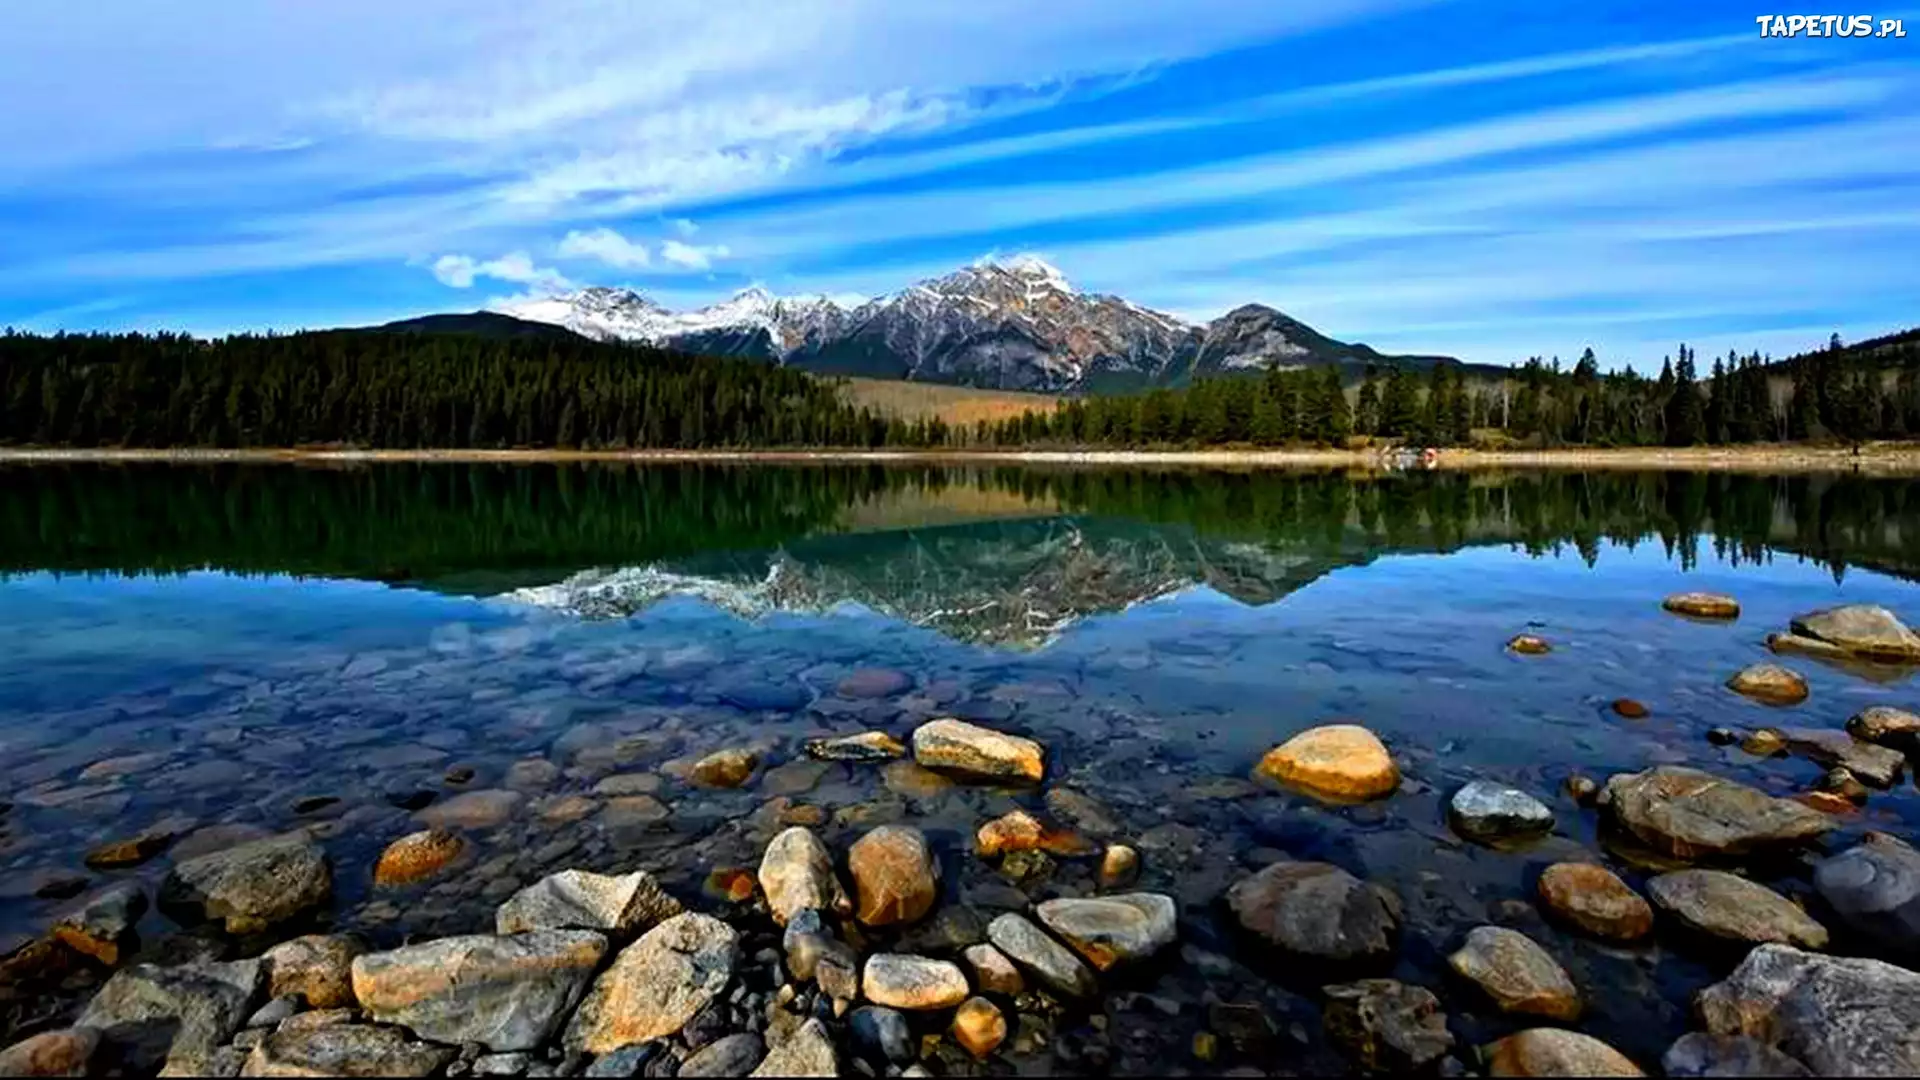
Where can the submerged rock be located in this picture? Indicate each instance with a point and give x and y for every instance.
(966, 748)
(318, 967)
(1386, 1026)
(657, 984)
(1700, 1054)
(1529, 645)
(1047, 959)
(724, 769)
(1877, 765)
(1519, 975)
(177, 1016)
(345, 1050)
(506, 993)
(912, 982)
(874, 683)
(252, 886)
(1726, 906)
(1769, 684)
(1874, 889)
(1887, 726)
(418, 857)
(578, 900)
(893, 875)
(1686, 813)
(1868, 631)
(1484, 810)
(485, 809)
(796, 873)
(1553, 1052)
(1339, 761)
(1703, 605)
(1840, 1016)
(1318, 910)
(1628, 709)
(1594, 899)
(866, 746)
(1113, 929)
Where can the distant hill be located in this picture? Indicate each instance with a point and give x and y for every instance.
(487, 324)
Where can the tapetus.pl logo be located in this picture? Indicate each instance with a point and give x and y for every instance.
(1793, 26)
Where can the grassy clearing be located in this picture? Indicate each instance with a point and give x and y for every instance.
(959, 406)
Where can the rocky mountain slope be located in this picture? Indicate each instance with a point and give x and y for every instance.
(1016, 324)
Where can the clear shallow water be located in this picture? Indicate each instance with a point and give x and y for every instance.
(355, 634)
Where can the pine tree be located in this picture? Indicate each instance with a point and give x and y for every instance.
(1366, 412)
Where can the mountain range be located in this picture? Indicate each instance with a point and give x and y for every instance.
(1014, 324)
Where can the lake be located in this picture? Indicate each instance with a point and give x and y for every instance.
(226, 651)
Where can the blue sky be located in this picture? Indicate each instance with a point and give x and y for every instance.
(1487, 179)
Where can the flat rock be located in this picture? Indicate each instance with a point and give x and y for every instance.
(1769, 684)
(793, 777)
(893, 875)
(809, 1051)
(418, 857)
(866, 746)
(345, 1050)
(506, 993)
(1700, 1054)
(1703, 605)
(1338, 761)
(1048, 960)
(1318, 910)
(1386, 1026)
(1868, 631)
(1873, 889)
(65, 1052)
(728, 768)
(657, 984)
(916, 983)
(993, 972)
(1728, 906)
(1083, 812)
(1686, 813)
(1838, 1016)
(1553, 1052)
(1484, 810)
(979, 1027)
(731, 1055)
(1113, 930)
(177, 1016)
(318, 967)
(101, 925)
(577, 900)
(960, 747)
(1795, 645)
(1877, 765)
(484, 809)
(634, 812)
(1886, 726)
(1519, 975)
(252, 886)
(796, 873)
(1594, 899)
(532, 774)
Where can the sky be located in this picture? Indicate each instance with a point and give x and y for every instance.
(1480, 178)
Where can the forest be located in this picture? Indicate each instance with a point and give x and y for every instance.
(380, 389)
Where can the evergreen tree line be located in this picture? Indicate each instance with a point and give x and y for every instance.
(407, 391)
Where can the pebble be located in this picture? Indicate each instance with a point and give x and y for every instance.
(979, 1027)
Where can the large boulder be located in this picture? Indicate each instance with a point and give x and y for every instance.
(1112, 930)
(1687, 814)
(507, 992)
(577, 900)
(1840, 1016)
(1553, 1052)
(345, 1050)
(1896, 729)
(1594, 899)
(1877, 765)
(899, 981)
(1769, 684)
(796, 873)
(960, 747)
(1519, 975)
(1318, 910)
(1491, 812)
(1048, 960)
(657, 984)
(251, 886)
(1337, 761)
(894, 878)
(1387, 1026)
(1874, 890)
(177, 1016)
(1868, 631)
(1724, 905)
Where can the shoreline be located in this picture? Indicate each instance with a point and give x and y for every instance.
(1883, 459)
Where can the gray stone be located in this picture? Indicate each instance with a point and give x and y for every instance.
(1318, 910)
(1387, 1026)
(1727, 906)
(1112, 930)
(502, 1064)
(734, 1055)
(809, 1051)
(883, 1033)
(1877, 765)
(252, 886)
(506, 993)
(1049, 961)
(1868, 631)
(1700, 1054)
(1484, 810)
(913, 982)
(657, 984)
(1840, 1016)
(176, 1015)
(346, 1050)
(270, 1014)
(1887, 726)
(1688, 814)
(1874, 890)
(626, 1061)
(578, 900)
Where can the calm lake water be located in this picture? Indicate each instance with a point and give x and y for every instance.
(192, 647)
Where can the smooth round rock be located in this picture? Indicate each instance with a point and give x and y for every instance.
(1727, 906)
(1519, 975)
(1119, 866)
(1769, 684)
(1887, 726)
(1703, 605)
(724, 769)
(915, 983)
(1687, 814)
(1484, 810)
(1594, 899)
(1874, 890)
(979, 1027)
(1529, 645)
(1113, 930)
(796, 873)
(969, 749)
(893, 876)
(417, 857)
(1868, 631)
(1554, 1052)
(1337, 761)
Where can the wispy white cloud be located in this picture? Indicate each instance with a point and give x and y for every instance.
(607, 246)
(517, 267)
(692, 256)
